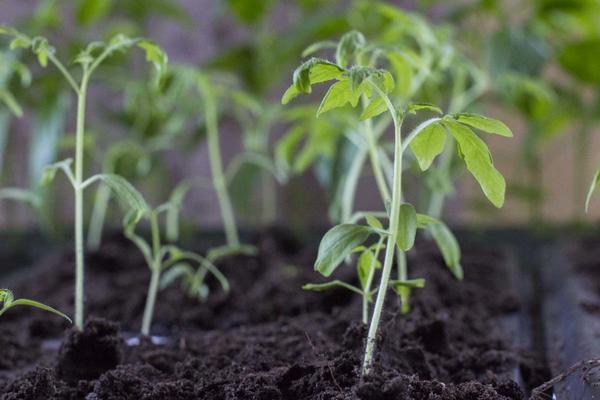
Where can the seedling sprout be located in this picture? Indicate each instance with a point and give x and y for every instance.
(373, 85)
(89, 60)
(7, 301)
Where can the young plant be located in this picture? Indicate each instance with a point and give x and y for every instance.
(161, 257)
(7, 301)
(89, 60)
(351, 83)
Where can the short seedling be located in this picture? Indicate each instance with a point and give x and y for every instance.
(89, 60)
(427, 141)
(167, 257)
(7, 301)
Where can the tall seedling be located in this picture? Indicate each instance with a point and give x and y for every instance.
(89, 60)
(427, 141)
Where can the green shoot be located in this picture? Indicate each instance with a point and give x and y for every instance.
(351, 84)
(166, 257)
(216, 163)
(89, 60)
(592, 189)
(7, 301)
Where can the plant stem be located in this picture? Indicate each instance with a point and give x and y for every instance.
(216, 167)
(155, 279)
(78, 189)
(367, 289)
(351, 183)
(98, 216)
(375, 164)
(391, 239)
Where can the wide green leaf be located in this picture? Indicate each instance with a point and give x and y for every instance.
(338, 95)
(407, 227)
(484, 124)
(428, 144)
(478, 160)
(374, 108)
(130, 197)
(337, 244)
(592, 189)
(315, 70)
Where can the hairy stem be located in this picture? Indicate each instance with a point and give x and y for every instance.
(391, 238)
(79, 251)
(155, 279)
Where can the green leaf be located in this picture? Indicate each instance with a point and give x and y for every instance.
(484, 124)
(289, 94)
(22, 195)
(11, 103)
(337, 244)
(448, 245)
(322, 287)
(129, 196)
(366, 262)
(407, 227)
(409, 283)
(90, 11)
(375, 107)
(155, 55)
(592, 189)
(42, 49)
(424, 221)
(428, 144)
(35, 304)
(20, 41)
(478, 159)
(174, 273)
(373, 222)
(250, 11)
(286, 147)
(315, 70)
(318, 46)
(338, 95)
(172, 217)
(49, 172)
(580, 58)
(348, 46)
(414, 107)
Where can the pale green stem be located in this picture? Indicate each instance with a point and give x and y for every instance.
(351, 183)
(155, 279)
(391, 238)
(376, 164)
(98, 216)
(79, 251)
(218, 177)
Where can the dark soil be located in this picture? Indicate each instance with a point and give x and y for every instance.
(268, 339)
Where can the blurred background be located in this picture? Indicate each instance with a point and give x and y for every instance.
(535, 62)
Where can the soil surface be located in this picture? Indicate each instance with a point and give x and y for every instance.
(268, 339)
